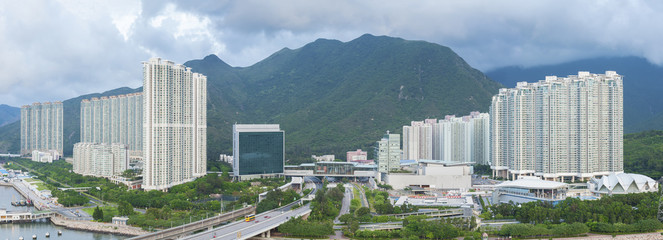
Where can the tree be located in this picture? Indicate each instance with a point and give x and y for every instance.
(98, 214)
(362, 211)
(124, 208)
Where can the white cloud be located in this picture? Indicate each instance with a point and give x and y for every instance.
(55, 50)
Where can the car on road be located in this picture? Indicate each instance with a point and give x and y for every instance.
(267, 216)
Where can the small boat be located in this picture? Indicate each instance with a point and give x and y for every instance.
(48, 234)
(34, 236)
(59, 232)
(20, 238)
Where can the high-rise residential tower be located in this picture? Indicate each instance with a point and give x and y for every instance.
(114, 119)
(463, 139)
(174, 124)
(41, 127)
(418, 140)
(388, 152)
(560, 128)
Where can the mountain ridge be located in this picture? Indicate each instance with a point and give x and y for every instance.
(329, 96)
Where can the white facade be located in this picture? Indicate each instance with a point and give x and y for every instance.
(114, 119)
(568, 127)
(418, 140)
(433, 174)
(622, 183)
(324, 158)
(464, 139)
(174, 124)
(528, 189)
(100, 160)
(452, 139)
(388, 153)
(45, 157)
(41, 127)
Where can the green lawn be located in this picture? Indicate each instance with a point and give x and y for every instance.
(106, 209)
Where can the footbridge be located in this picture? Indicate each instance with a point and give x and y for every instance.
(454, 212)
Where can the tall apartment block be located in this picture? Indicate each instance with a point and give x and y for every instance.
(41, 127)
(114, 119)
(560, 128)
(388, 152)
(418, 140)
(174, 124)
(100, 159)
(258, 150)
(452, 139)
(463, 139)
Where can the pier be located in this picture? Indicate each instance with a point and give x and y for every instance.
(11, 217)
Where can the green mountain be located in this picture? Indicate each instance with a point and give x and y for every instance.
(9, 114)
(329, 96)
(643, 153)
(643, 103)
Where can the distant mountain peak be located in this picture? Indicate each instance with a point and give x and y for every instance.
(214, 60)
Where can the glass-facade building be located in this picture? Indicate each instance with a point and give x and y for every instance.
(258, 150)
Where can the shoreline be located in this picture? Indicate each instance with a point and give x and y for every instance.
(89, 226)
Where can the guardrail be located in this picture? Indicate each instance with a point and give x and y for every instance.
(185, 229)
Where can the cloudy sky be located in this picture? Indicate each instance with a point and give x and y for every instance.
(56, 50)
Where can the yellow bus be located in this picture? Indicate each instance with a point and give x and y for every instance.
(250, 217)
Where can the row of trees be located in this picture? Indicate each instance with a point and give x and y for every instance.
(627, 209)
(276, 199)
(382, 205)
(181, 204)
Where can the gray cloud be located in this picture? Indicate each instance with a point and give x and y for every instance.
(54, 50)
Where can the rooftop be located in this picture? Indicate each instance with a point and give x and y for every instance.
(532, 183)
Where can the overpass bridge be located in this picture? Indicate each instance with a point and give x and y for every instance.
(263, 224)
(187, 229)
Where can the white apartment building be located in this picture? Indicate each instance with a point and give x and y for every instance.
(463, 139)
(418, 140)
(100, 159)
(45, 157)
(559, 128)
(388, 152)
(175, 124)
(453, 139)
(41, 127)
(114, 119)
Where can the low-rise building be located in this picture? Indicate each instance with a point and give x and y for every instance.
(100, 160)
(358, 155)
(324, 158)
(45, 156)
(528, 189)
(433, 174)
(622, 183)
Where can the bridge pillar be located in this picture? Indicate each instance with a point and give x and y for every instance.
(269, 233)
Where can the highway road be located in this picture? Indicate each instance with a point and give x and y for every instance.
(264, 221)
(243, 230)
(345, 206)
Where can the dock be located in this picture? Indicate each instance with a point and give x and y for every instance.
(12, 217)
